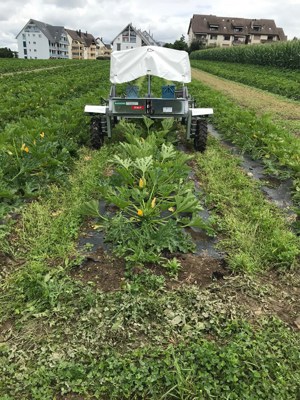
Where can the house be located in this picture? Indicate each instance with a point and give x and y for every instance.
(42, 41)
(130, 38)
(83, 45)
(211, 31)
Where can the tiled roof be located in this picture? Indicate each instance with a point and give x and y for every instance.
(83, 37)
(202, 23)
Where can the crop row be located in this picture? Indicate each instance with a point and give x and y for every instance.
(282, 54)
(38, 147)
(258, 136)
(31, 95)
(274, 80)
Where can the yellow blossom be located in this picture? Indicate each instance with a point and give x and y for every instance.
(172, 209)
(24, 148)
(142, 182)
(153, 202)
(42, 134)
(34, 142)
(140, 212)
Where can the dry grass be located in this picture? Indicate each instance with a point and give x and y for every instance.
(284, 112)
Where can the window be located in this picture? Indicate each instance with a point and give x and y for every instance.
(118, 46)
(238, 29)
(213, 37)
(24, 43)
(25, 51)
(213, 27)
(34, 42)
(256, 28)
(226, 37)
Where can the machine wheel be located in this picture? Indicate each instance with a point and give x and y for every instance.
(200, 138)
(96, 134)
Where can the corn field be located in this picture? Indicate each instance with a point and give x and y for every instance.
(283, 54)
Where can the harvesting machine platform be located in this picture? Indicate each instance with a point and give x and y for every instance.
(127, 66)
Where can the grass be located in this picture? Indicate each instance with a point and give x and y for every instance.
(255, 233)
(62, 338)
(144, 340)
(275, 80)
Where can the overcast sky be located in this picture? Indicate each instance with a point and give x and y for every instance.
(167, 20)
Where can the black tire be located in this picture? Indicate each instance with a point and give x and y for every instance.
(96, 135)
(200, 139)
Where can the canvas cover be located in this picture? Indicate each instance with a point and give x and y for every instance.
(170, 64)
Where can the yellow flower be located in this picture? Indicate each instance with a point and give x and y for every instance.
(34, 142)
(140, 212)
(153, 202)
(42, 134)
(24, 148)
(142, 182)
(172, 209)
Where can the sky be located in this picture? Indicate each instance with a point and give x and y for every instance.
(166, 20)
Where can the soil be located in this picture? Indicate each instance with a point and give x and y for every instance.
(109, 274)
(262, 295)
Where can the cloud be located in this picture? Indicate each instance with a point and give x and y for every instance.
(167, 20)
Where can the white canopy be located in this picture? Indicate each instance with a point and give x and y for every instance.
(170, 64)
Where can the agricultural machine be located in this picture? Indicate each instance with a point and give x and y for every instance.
(169, 64)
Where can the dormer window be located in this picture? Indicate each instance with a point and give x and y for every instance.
(238, 28)
(213, 27)
(256, 28)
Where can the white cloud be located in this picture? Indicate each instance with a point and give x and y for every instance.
(167, 20)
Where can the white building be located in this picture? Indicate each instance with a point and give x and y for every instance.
(130, 38)
(42, 41)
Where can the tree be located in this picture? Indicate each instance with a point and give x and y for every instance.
(6, 53)
(178, 44)
(196, 45)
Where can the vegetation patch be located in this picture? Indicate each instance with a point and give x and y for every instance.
(257, 236)
(274, 80)
(283, 55)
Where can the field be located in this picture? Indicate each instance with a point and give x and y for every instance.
(144, 270)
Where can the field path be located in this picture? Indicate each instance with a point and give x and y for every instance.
(284, 112)
(29, 71)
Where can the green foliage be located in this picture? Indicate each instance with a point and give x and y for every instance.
(273, 79)
(6, 53)
(256, 234)
(281, 54)
(155, 201)
(258, 136)
(143, 342)
(179, 44)
(43, 125)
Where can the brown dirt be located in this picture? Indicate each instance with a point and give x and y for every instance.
(283, 111)
(264, 295)
(108, 273)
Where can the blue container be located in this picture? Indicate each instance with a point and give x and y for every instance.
(132, 91)
(168, 92)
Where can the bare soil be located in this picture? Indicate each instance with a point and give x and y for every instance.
(267, 294)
